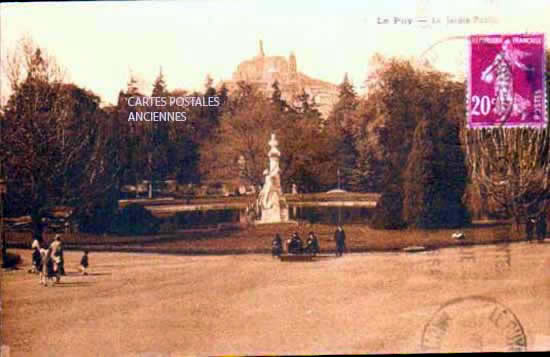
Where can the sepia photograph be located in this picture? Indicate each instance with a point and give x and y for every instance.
(255, 177)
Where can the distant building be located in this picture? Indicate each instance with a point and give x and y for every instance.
(262, 71)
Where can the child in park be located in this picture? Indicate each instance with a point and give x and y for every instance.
(84, 263)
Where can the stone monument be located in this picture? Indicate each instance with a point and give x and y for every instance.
(272, 203)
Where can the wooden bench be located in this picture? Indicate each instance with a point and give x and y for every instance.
(296, 258)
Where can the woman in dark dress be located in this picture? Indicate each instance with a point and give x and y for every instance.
(277, 246)
(312, 244)
(296, 244)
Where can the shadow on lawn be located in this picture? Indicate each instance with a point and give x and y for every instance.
(76, 273)
(72, 284)
(99, 274)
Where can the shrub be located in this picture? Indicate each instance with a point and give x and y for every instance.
(11, 261)
(435, 178)
(388, 211)
(312, 215)
(98, 217)
(134, 219)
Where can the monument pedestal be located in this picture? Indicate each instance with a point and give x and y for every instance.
(275, 214)
(271, 201)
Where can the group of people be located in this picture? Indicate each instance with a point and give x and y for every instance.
(536, 225)
(295, 245)
(48, 261)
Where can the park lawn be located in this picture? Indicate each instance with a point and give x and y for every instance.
(257, 239)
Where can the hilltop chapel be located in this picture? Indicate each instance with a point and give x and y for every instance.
(262, 71)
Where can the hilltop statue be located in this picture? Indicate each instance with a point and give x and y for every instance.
(271, 201)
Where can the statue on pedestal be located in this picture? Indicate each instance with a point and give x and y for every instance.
(271, 201)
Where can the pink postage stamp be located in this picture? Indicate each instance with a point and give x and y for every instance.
(506, 83)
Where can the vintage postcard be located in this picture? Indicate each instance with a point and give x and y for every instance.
(211, 178)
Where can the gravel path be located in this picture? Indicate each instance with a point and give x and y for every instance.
(155, 305)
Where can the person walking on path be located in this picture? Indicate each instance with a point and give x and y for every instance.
(57, 256)
(36, 256)
(541, 227)
(47, 266)
(340, 238)
(84, 263)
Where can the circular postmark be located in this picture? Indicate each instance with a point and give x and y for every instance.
(471, 324)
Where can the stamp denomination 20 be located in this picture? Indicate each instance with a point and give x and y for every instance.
(506, 81)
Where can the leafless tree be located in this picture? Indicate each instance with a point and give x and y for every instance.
(512, 165)
(55, 142)
(22, 61)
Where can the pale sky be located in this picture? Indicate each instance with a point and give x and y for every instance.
(99, 43)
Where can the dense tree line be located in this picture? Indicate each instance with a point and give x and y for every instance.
(405, 139)
(408, 145)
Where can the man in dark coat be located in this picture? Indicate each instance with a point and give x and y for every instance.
(277, 245)
(340, 238)
(529, 227)
(541, 227)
